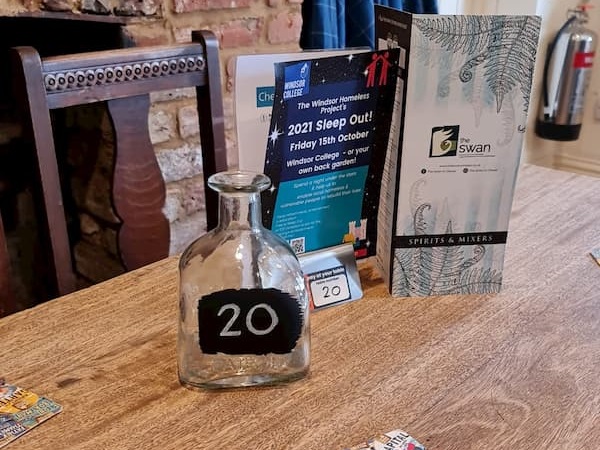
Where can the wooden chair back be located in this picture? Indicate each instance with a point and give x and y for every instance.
(8, 300)
(123, 79)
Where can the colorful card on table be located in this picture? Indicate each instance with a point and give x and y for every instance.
(595, 254)
(22, 410)
(393, 440)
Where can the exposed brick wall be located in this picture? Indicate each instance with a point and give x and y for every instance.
(242, 26)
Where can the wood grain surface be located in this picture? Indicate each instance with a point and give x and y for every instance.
(519, 369)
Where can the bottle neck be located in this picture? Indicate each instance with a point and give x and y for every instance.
(240, 210)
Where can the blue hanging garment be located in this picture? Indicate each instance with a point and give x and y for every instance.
(349, 23)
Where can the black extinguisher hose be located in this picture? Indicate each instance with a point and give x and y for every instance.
(549, 57)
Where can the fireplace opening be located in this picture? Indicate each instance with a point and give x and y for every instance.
(50, 34)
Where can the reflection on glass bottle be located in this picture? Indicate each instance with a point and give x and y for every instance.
(243, 304)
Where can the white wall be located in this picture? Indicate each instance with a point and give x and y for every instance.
(582, 155)
(448, 6)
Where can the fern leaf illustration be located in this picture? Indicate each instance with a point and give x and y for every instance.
(504, 45)
(480, 281)
(507, 121)
(458, 33)
(526, 90)
(409, 278)
(510, 63)
(444, 84)
(477, 99)
(423, 52)
(421, 282)
(416, 197)
(466, 71)
(444, 265)
(400, 275)
(419, 222)
(439, 269)
(478, 254)
(412, 267)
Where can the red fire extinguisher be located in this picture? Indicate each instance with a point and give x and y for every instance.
(567, 72)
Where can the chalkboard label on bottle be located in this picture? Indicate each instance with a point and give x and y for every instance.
(249, 321)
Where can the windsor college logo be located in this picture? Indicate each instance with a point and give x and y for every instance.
(444, 141)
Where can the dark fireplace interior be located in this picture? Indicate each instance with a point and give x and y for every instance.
(51, 34)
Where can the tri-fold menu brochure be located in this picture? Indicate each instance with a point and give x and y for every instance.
(455, 147)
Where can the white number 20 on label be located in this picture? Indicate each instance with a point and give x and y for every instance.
(330, 290)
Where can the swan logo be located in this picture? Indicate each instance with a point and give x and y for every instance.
(444, 141)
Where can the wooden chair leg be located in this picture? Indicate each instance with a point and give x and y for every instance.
(8, 301)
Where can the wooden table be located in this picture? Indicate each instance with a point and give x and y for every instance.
(520, 369)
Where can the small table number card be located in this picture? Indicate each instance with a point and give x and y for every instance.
(329, 286)
(332, 275)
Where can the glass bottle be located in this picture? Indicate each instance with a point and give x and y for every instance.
(243, 304)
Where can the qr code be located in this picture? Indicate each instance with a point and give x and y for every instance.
(297, 245)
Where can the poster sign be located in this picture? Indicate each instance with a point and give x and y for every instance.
(326, 149)
(254, 90)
